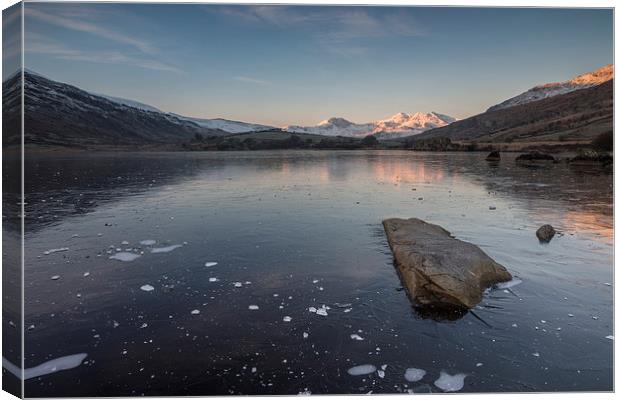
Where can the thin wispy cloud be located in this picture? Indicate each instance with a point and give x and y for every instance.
(249, 79)
(341, 28)
(38, 44)
(93, 29)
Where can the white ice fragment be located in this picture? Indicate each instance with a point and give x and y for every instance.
(305, 335)
(287, 319)
(48, 367)
(381, 374)
(253, 307)
(195, 312)
(322, 311)
(144, 325)
(506, 285)
(347, 310)
(166, 249)
(254, 370)
(148, 242)
(312, 309)
(479, 364)
(86, 273)
(115, 324)
(51, 251)
(147, 288)
(124, 256)
(450, 383)
(570, 315)
(55, 277)
(315, 281)
(213, 280)
(414, 374)
(238, 284)
(124, 242)
(610, 337)
(363, 369)
(384, 366)
(210, 264)
(355, 336)
(536, 354)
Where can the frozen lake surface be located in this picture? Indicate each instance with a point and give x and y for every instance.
(269, 273)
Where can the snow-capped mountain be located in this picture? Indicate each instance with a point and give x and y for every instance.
(130, 103)
(226, 125)
(398, 125)
(544, 91)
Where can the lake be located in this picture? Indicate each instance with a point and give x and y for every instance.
(304, 287)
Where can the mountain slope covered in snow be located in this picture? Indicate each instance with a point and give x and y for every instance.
(547, 90)
(398, 125)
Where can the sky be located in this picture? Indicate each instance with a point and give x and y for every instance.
(281, 65)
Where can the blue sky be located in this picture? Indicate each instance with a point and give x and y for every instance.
(299, 65)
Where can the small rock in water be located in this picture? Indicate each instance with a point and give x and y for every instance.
(414, 374)
(195, 312)
(492, 208)
(147, 288)
(55, 277)
(253, 307)
(210, 264)
(363, 369)
(545, 233)
(124, 256)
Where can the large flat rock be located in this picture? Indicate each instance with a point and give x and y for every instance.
(438, 269)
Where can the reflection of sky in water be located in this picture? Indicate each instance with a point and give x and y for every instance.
(282, 220)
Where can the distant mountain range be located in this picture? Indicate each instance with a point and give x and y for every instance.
(64, 115)
(579, 109)
(398, 125)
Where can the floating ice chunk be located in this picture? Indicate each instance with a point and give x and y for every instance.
(381, 374)
(253, 307)
(383, 367)
(210, 264)
(536, 354)
(305, 335)
(48, 367)
(86, 273)
(506, 285)
(124, 242)
(363, 369)
(450, 383)
(287, 319)
(355, 336)
(414, 374)
(237, 284)
(147, 288)
(213, 280)
(51, 251)
(124, 256)
(610, 337)
(166, 249)
(195, 312)
(322, 311)
(479, 364)
(144, 325)
(55, 277)
(148, 242)
(312, 309)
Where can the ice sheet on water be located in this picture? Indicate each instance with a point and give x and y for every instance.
(148, 242)
(124, 256)
(147, 288)
(450, 383)
(51, 251)
(48, 367)
(166, 249)
(414, 374)
(363, 369)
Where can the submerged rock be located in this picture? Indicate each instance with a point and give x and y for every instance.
(545, 233)
(534, 156)
(493, 156)
(438, 269)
